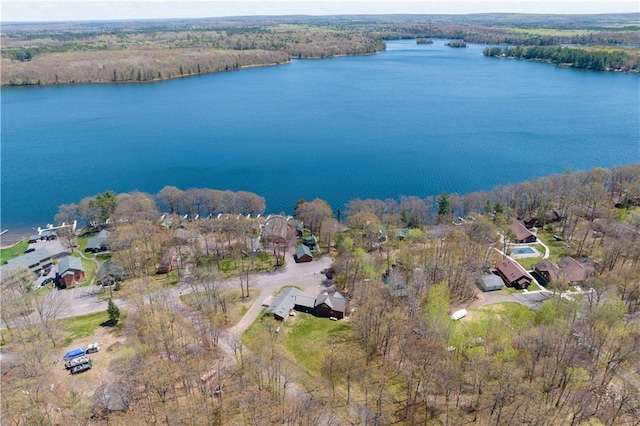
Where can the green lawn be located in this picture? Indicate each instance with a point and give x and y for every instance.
(83, 325)
(13, 251)
(495, 325)
(82, 244)
(86, 325)
(308, 338)
(556, 248)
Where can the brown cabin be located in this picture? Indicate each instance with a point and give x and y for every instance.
(513, 274)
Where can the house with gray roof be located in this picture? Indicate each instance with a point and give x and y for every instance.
(35, 261)
(70, 271)
(98, 243)
(290, 298)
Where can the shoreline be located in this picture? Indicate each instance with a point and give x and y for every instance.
(270, 64)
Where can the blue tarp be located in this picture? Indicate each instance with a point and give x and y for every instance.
(75, 353)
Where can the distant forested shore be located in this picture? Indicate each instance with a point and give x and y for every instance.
(145, 51)
(589, 58)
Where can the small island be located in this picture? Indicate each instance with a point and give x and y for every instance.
(456, 43)
(422, 40)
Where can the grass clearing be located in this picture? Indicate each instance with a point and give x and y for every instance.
(13, 251)
(308, 338)
(83, 325)
(557, 249)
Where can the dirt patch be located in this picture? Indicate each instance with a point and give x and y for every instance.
(86, 382)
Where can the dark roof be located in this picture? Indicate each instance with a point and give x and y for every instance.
(335, 301)
(520, 231)
(548, 267)
(573, 270)
(98, 241)
(30, 259)
(567, 268)
(511, 269)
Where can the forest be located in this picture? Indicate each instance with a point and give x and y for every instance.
(144, 51)
(590, 58)
(398, 358)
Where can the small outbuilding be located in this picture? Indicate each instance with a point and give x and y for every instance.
(490, 282)
(303, 254)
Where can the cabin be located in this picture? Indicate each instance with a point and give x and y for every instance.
(166, 263)
(513, 274)
(331, 305)
(528, 220)
(70, 272)
(303, 254)
(521, 233)
(567, 269)
(554, 215)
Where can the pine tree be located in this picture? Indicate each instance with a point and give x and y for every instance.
(113, 311)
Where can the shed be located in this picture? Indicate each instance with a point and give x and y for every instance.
(490, 282)
(303, 254)
(310, 241)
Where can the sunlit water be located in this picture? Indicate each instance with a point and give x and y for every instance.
(414, 120)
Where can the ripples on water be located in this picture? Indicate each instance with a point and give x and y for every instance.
(414, 120)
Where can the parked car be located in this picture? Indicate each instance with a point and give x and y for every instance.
(46, 271)
(80, 368)
(46, 281)
(93, 347)
(29, 250)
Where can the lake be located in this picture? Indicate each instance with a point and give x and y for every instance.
(413, 120)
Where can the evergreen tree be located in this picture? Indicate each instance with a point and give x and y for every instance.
(113, 311)
(444, 205)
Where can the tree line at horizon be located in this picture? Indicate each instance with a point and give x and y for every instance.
(597, 59)
(35, 55)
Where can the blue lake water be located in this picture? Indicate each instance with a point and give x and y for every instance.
(413, 120)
